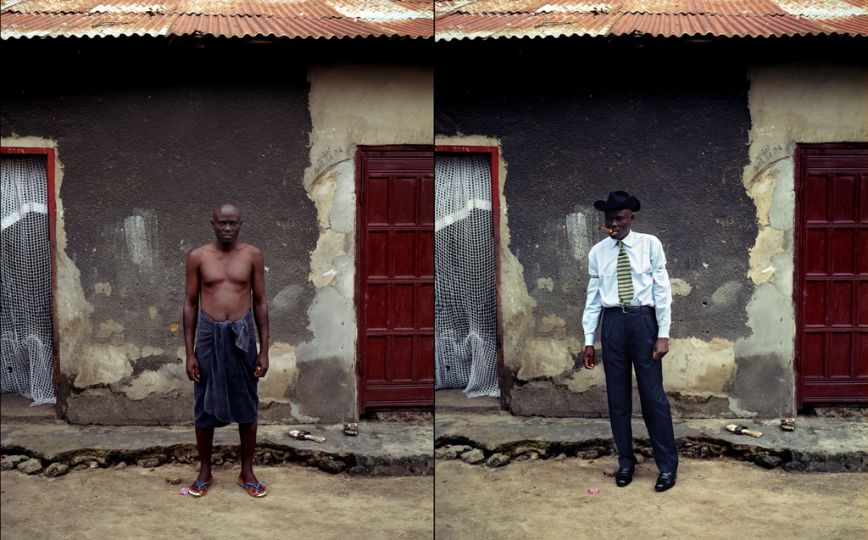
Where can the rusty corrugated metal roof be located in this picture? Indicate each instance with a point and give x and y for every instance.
(488, 19)
(461, 26)
(224, 18)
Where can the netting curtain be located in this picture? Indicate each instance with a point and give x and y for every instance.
(25, 263)
(465, 315)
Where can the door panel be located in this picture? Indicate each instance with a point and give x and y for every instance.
(815, 198)
(395, 289)
(841, 251)
(843, 207)
(832, 299)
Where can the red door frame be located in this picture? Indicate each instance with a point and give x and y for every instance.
(494, 160)
(359, 254)
(801, 152)
(50, 195)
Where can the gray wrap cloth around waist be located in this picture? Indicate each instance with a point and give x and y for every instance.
(226, 352)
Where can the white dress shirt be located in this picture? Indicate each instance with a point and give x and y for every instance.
(650, 280)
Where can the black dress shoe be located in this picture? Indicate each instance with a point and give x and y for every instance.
(624, 476)
(665, 481)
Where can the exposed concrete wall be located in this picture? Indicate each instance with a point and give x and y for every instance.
(138, 172)
(566, 139)
(710, 155)
(143, 156)
(540, 351)
(789, 104)
(350, 105)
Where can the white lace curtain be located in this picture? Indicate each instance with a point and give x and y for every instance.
(465, 314)
(25, 280)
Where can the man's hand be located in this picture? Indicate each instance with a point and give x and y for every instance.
(588, 357)
(193, 368)
(661, 347)
(261, 366)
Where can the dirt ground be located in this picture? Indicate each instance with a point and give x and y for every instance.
(139, 503)
(712, 500)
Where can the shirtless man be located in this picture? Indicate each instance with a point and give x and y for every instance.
(224, 279)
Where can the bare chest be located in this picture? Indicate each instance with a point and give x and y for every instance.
(233, 269)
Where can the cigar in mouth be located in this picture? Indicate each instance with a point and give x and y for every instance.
(607, 230)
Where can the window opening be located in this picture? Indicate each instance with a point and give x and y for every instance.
(465, 302)
(25, 280)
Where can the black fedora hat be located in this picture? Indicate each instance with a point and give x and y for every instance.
(618, 200)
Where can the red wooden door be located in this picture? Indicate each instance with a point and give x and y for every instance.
(395, 264)
(832, 341)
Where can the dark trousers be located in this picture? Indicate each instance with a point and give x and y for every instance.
(628, 340)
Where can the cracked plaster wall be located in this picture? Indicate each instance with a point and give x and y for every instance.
(538, 350)
(137, 172)
(72, 308)
(732, 347)
(120, 274)
(789, 104)
(350, 105)
(668, 138)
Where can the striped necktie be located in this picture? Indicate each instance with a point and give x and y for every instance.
(625, 277)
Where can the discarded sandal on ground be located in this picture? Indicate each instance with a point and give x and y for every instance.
(199, 489)
(306, 436)
(788, 424)
(743, 430)
(254, 490)
(351, 430)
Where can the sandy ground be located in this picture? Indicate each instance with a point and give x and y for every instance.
(712, 499)
(139, 503)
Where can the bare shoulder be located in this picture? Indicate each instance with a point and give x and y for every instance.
(196, 254)
(250, 250)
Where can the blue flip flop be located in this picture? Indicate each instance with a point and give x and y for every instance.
(254, 490)
(199, 489)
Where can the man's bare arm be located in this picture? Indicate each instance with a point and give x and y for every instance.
(191, 319)
(260, 312)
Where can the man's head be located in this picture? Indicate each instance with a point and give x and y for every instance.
(619, 222)
(619, 208)
(226, 222)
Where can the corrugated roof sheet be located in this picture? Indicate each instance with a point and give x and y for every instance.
(487, 19)
(225, 18)
(456, 19)
(460, 26)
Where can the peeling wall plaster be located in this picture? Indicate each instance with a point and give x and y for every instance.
(732, 348)
(540, 350)
(73, 309)
(133, 213)
(113, 341)
(789, 104)
(710, 156)
(350, 106)
(752, 375)
(677, 141)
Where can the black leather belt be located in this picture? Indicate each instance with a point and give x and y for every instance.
(624, 308)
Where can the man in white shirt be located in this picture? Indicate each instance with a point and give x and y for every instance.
(629, 285)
